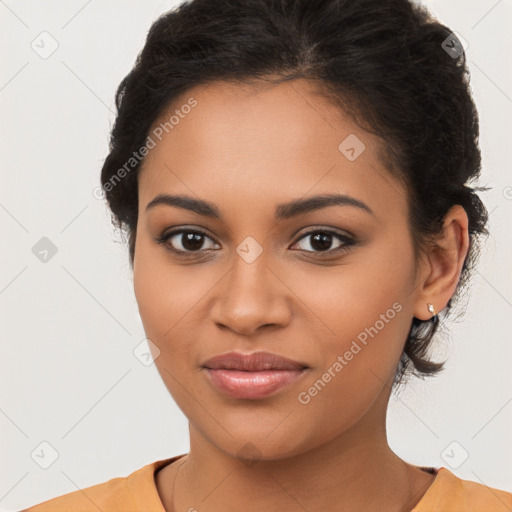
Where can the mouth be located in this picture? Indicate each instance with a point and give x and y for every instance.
(252, 376)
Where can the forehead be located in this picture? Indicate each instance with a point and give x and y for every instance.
(263, 141)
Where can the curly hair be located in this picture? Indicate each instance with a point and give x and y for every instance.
(389, 64)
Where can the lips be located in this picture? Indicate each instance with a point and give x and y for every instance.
(252, 376)
(257, 361)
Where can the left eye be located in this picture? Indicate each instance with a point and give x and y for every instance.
(321, 241)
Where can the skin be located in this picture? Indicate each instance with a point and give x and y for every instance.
(247, 150)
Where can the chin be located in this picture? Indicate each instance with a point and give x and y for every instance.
(252, 440)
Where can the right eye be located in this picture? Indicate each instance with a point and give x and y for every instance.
(185, 241)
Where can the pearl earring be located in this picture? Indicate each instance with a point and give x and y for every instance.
(431, 309)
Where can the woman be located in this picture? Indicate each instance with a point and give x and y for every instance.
(293, 179)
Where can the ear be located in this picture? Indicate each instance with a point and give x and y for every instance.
(442, 264)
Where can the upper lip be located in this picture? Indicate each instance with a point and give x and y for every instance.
(256, 361)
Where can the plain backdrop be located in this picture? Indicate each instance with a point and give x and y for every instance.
(74, 396)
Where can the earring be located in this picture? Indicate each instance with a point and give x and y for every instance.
(431, 309)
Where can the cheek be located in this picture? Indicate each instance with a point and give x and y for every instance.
(172, 301)
(371, 286)
(364, 312)
(165, 293)
(357, 369)
(166, 304)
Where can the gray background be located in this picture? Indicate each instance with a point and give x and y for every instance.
(69, 325)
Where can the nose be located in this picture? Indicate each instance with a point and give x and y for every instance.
(250, 297)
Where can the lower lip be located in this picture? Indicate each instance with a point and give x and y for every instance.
(252, 385)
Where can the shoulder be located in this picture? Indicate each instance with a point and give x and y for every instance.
(107, 496)
(135, 492)
(450, 493)
(478, 497)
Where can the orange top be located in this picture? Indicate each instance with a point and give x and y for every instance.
(138, 493)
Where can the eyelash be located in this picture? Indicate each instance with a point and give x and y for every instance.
(345, 239)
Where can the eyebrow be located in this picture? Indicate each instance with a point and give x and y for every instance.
(283, 211)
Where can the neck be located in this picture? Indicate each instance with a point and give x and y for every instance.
(356, 471)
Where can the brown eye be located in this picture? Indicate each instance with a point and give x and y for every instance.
(322, 241)
(186, 241)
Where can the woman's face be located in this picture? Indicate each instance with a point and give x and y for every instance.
(332, 288)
